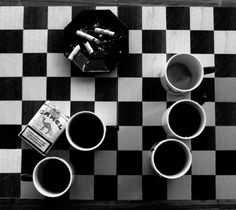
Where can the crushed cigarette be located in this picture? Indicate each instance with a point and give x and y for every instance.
(88, 37)
(104, 31)
(74, 52)
(88, 48)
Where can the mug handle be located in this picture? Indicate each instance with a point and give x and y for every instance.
(209, 70)
(26, 177)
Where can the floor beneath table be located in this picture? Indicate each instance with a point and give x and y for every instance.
(218, 3)
(9, 204)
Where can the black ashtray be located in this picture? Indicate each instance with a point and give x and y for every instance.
(96, 40)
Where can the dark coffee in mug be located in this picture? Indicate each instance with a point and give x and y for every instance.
(170, 158)
(86, 130)
(180, 76)
(54, 176)
(184, 119)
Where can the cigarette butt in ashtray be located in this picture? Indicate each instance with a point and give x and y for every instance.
(88, 48)
(104, 31)
(74, 52)
(88, 37)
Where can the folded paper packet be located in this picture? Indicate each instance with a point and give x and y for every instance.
(44, 128)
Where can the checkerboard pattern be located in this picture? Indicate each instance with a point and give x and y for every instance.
(33, 69)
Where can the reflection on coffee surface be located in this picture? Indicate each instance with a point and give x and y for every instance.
(86, 130)
(180, 76)
(54, 176)
(170, 158)
(184, 119)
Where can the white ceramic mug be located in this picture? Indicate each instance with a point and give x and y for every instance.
(53, 176)
(185, 119)
(170, 158)
(183, 73)
(85, 131)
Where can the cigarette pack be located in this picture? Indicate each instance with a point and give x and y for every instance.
(44, 128)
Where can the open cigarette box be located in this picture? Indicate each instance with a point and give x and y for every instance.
(96, 41)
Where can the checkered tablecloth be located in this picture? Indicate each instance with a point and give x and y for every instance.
(33, 69)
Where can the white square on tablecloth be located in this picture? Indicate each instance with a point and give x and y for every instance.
(201, 18)
(11, 65)
(10, 161)
(34, 88)
(153, 64)
(35, 41)
(59, 17)
(130, 89)
(58, 65)
(82, 89)
(130, 138)
(10, 112)
(107, 111)
(178, 41)
(154, 18)
(11, 18)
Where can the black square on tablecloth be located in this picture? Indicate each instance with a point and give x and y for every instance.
(153, 90)
(10, 185)
(29, 109)
(202, 42)
(225, 65)
(131, 16)
(58, 88)
(105, 187)
(225, 113)
(207, 88)
(169, 55)
(61, 143)
(30, 157)
(34, 64)
(154, 187)
(226, 162)
(178, 18)
(10, 88)
(78, 106)
(35, 17)
(154, 41)
(224, 18)
(152, 135)
(169, 103)
(203, 187)
(129, 162)
(56, 41)
(77, 9)
(131, 66)
(106, 89)
(9, 139)
(11, 41)
(111, 138)
(206, 140)
(83, 162)
(130, 113)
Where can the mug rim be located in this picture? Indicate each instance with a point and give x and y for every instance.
(179, 89)
(73, 144)
(203, 119)
(183, 171)
(44, 191)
